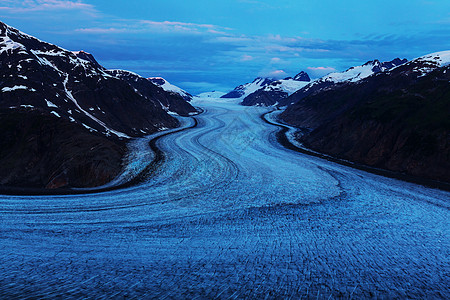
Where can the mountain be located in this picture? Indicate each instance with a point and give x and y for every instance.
(244, 90)
(397, 119)
(302, 76)
(64, 119)
(276, 91)
(170, 101)
(170, 88)
(353, 74)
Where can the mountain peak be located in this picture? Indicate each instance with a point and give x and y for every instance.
(441, 58)
(263, 81)
(88, 57)
(3, 28)
(302, 76)
(372, 63)
(168, 87)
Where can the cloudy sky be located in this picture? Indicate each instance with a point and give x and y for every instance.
(204, 45)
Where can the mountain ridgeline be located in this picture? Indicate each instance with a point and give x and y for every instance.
(65, 120)
(268, 91)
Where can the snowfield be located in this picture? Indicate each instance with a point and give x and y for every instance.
(231, 214)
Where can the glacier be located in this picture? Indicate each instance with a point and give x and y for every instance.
(231, 214)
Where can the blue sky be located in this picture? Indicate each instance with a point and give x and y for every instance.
(205, 45)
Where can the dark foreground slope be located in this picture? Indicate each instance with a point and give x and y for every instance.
(64, 120)
(398, 120)
(42, 151)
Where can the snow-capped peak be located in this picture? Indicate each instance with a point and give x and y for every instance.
(302, 76)
(427, 63)
(441, 58)
(244, 90)
(257, 84)
(354, 73)
(168, 87)
(87, 57)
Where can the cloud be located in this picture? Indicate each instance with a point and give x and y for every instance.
(320, 71)
(275, 60)
(25, 6)
(142, 26)
(95, 30)
(246, 57)
(276, 74)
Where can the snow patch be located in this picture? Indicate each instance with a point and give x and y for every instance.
(288, 86)
(50, 104)
(353, 74)
(55, 113)
(168, 87)
(17, 87)
(89, 128)
(442, 58)
(7, 44)
(428, 63)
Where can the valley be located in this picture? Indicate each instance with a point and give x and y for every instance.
(231, 214)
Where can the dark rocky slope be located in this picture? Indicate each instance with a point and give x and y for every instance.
(64, 120)
(398, 120)
(38, 150)
(170, 101)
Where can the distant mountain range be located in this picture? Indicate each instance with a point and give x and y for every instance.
(64, 119)
(268, 91)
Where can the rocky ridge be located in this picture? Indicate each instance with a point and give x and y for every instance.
(397, 119)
